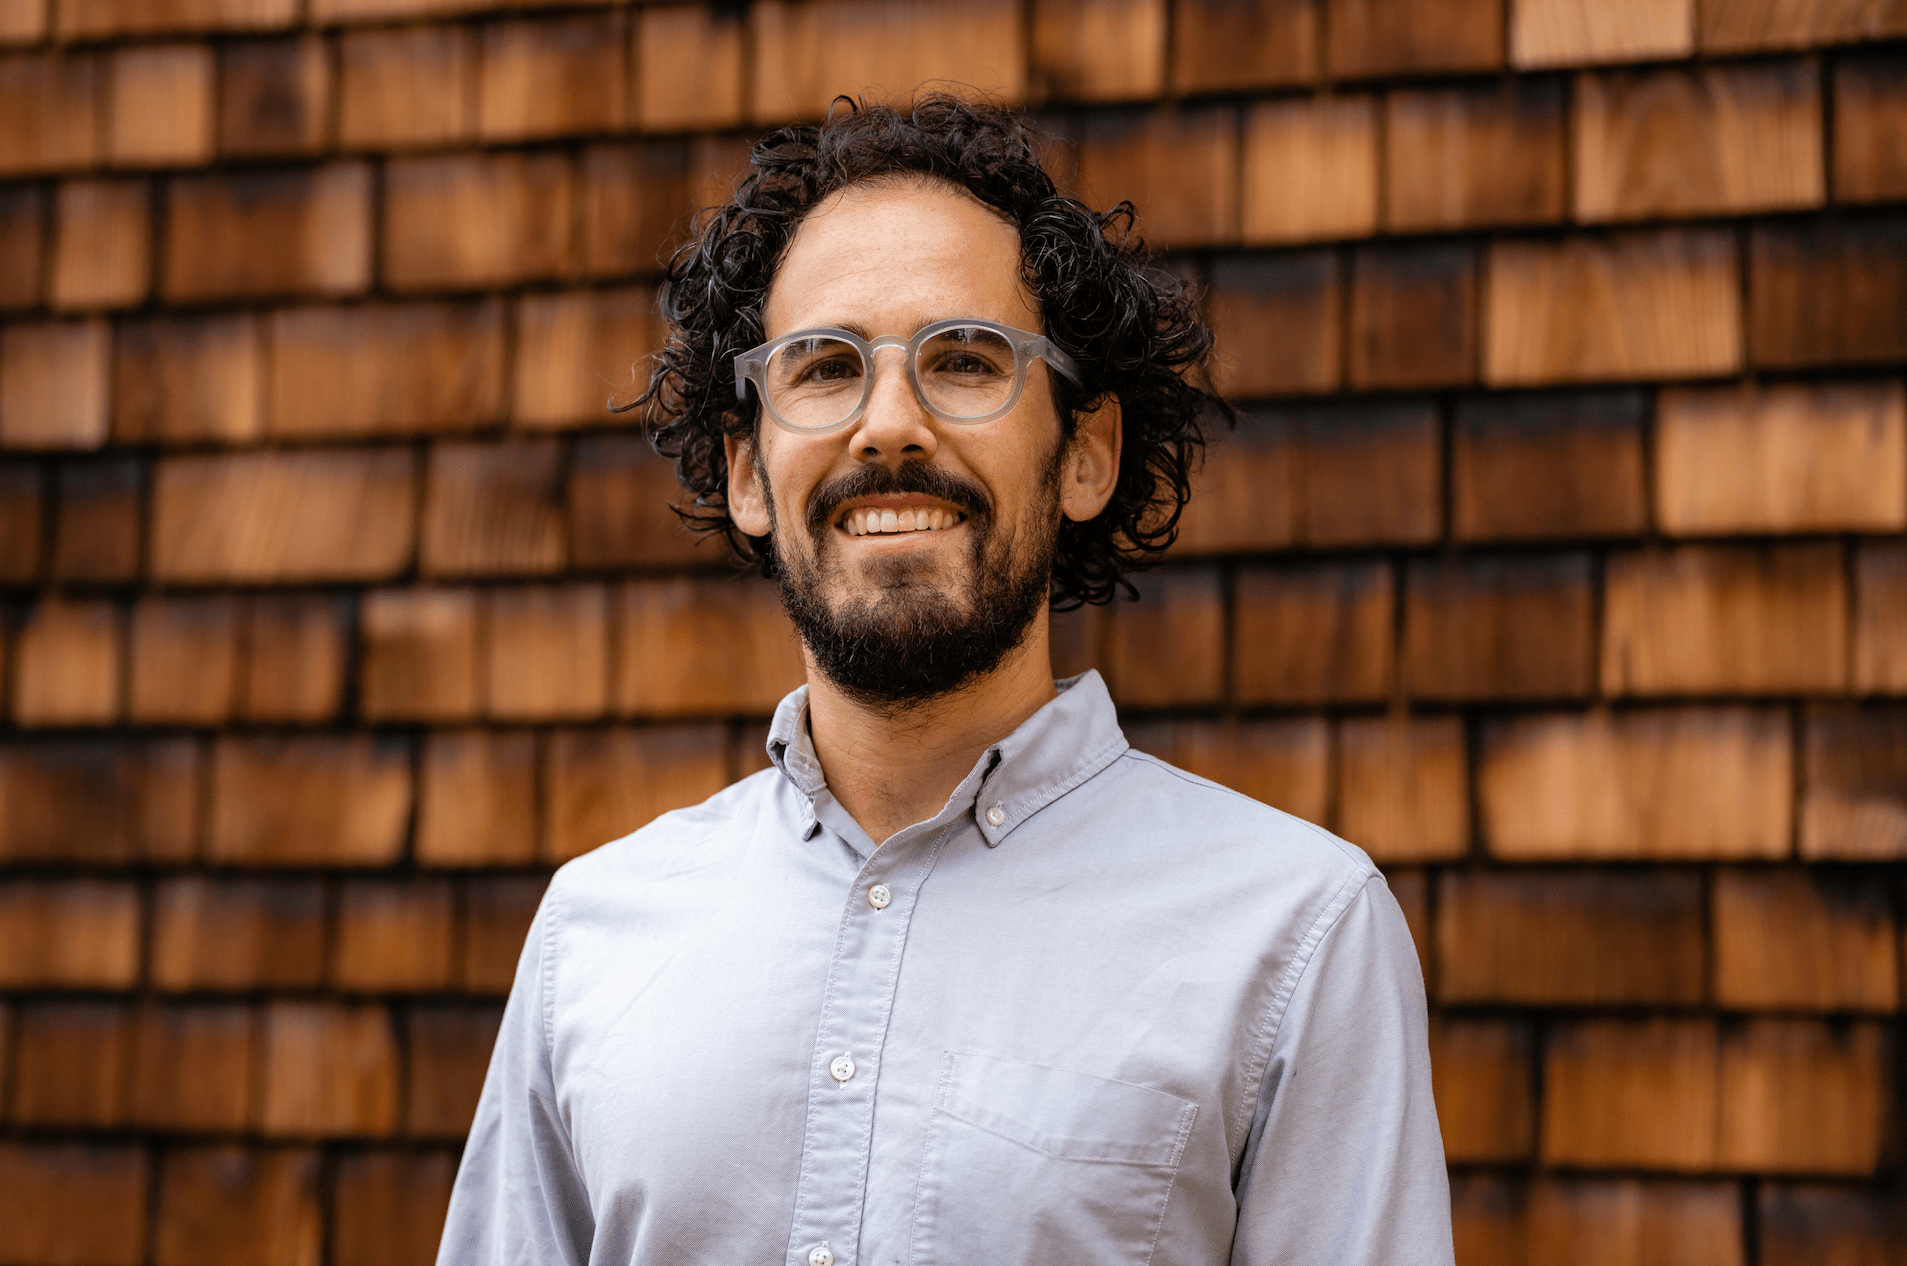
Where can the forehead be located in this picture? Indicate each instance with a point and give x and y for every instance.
(888, 258)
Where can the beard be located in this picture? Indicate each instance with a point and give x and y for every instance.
(915, 636)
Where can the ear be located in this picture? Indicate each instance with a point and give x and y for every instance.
(1090, 469)
(747, 498)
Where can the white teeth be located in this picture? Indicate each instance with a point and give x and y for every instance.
(868, 521)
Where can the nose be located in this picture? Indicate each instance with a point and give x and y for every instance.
(895, 427)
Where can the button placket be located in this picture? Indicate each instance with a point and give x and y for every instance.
(849, 1038)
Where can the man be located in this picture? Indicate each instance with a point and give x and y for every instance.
(963, 978)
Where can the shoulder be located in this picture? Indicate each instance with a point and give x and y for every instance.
(694, 836)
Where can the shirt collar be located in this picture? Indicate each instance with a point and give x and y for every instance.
(1071, 738)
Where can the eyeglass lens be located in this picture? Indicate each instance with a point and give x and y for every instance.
(964, 372)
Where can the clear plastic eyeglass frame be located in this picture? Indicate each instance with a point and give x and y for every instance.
(752, 366)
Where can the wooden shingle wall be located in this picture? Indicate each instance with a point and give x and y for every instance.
(1561, 562)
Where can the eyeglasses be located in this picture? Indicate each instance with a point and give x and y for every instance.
(963, 370)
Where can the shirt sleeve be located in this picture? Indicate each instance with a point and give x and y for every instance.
(519, 1198)
(1344, 1163)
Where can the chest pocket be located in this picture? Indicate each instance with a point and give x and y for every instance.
(1029, 1164)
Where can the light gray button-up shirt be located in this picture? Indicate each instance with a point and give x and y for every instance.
(1096, 1010)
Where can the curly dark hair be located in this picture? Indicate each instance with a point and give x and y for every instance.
(1134, 330)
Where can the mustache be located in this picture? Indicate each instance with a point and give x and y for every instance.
(910, 477)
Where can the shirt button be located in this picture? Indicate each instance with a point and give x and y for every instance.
(878, 896)
(996, 815)
(841, 1069)
(820, 1256)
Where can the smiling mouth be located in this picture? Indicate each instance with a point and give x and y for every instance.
(876, 521)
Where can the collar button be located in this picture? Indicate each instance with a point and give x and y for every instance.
(996, 815)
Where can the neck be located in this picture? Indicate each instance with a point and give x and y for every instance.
(891, 770)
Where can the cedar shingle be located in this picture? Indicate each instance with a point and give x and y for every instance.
(1827, 293)
(69, 935)
(388, 1207)
(49, 111)
(577, 350)
(102, 244)
(1609, 1222)
(1661, 783)
(419, 655)
(1484, 1076)
(546, 653)
(1880, 618)
(1499, 628)
(53, 384)
(494, 508)
(1413, 315)
(386, 368)
(93, 19)
(23, 499)
(234, 1205)
(66, 668)
(1244, 495)
(497, 915)
(274, 96)
(1788, 24)
(701, 648)
(474, 220)
(1412, 890)
(1370, 473)
(71, 1064)
(1801, 1096)
(1694, 142)
(93, 801)
(1725, 619)
(1179, 167)
(1870, 129)
(1489, 1217)
(309, 800)
(161, 105)
(620, 492)
(1168, 649)
(1402, 794)
(96, 523)
(237, 934)
(1456, 157)
(283, 516)
(1621, 1093)
(834, 46)
(1276, 319)
(688, 60)
(394, 936)
(405, 86)
(1804, 939)
(22, 240)
(449, 1050)
(1098, 50)
(1791, 457)
(184, 660)
(1855, 806)
(637, 200)
(1225, 45)
(1312, 633)
(192, 1067)
(1376, 37)
(1561, 937)
(1574, 32)
(1518, 466)
(477, 799)
(1662, 303)
(548, 77)
(73, 1202)
(23, 21)
(254, 233)
(1310, 169)
(330, 1069)
(1805, 1223)
(599, 785)
(294, 657)
(1283, 763)
(189, 379)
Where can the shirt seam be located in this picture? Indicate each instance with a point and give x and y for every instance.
(557, 914)
(1271, 1024)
